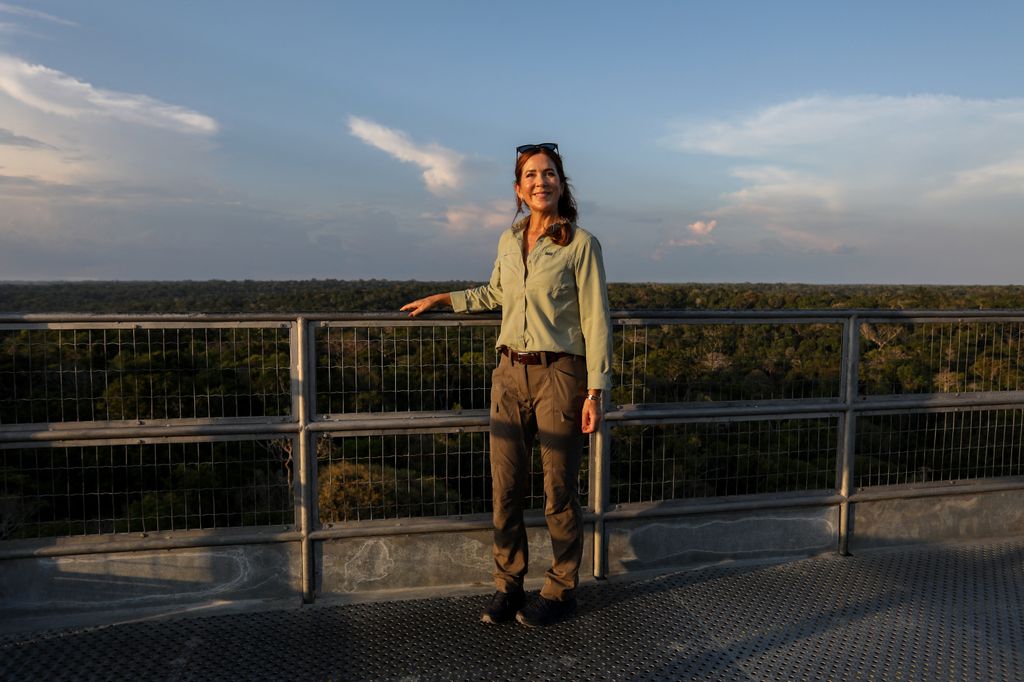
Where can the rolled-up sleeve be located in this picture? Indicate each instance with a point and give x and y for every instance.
(595, 317)
(478, 299)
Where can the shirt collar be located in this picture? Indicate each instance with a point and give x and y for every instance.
(520, 226)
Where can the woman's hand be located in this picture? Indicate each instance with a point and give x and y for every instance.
(591, 415)
(422, 305)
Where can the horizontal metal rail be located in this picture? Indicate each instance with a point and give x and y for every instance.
(471, 522)
(941, 489)
(118, 434)
(426, 422)
(865, 314)
(114, 324)
(27, 549)
(642, 510)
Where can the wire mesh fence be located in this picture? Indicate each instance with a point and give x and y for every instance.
(105, 489)
(133, 373)
(415, 475)
(403, 368)
(115, 372)
(687, 362)
(898, 449)
(954, 356)
(426, 368)
(658, 462)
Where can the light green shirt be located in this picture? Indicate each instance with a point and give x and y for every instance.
(557, 301)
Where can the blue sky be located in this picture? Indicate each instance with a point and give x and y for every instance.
(713, 142)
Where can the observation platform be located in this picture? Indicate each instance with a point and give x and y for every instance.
(932, 612)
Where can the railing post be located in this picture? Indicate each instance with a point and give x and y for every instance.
(600, 460)
(847, 427)
(302, 402)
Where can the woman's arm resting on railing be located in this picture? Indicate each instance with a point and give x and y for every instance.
(422, 305)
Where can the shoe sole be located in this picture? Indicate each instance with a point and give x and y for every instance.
(486, 619)
(522, 620)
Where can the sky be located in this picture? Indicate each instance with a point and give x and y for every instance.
(819, 142)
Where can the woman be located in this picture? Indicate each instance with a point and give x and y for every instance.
(555, 361)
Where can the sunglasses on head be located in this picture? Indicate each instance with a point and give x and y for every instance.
(527, 148)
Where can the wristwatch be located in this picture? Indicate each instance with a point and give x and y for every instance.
(591, 396)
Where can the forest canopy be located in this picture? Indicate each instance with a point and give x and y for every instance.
(325, 295)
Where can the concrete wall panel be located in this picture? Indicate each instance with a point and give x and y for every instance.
(642, 544)
(887, 523)
(356, 565)
(126, 580)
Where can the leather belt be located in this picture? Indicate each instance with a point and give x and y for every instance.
(532, 357)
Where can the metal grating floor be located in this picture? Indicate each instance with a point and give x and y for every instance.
(950, 612)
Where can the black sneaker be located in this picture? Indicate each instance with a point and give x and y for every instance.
(543, 611)
(503, 606)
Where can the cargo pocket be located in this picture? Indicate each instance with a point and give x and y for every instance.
(567, 379)
(496, 390)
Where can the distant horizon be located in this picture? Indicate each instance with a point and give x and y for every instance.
(311, 298)
(470, 281)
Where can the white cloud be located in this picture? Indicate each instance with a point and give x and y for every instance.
(9, 138)
(702, 228)
(10, 31)
(697, 233)
(807, 241)
(441, 166)
(475, 217)
(771, 188)
(53, 92)
(997, 178)
(65, 144)
(16, 10)
(808, 126)
(831, 174)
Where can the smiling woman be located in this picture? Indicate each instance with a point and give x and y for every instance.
(538, 169)
(555, 345)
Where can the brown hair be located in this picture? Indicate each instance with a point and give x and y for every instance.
(561, 231)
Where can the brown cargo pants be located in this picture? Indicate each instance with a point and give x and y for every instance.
(542, 402)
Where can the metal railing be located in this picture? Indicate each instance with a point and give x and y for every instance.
(128, 433)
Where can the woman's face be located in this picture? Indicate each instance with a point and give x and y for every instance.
(539, 186)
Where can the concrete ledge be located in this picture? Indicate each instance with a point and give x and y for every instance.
(395, 562)
(643, 544)
(140, 579)
(920, 520)
(142, 542)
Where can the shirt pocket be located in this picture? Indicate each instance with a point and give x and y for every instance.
(552, 272)
(511, 270)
